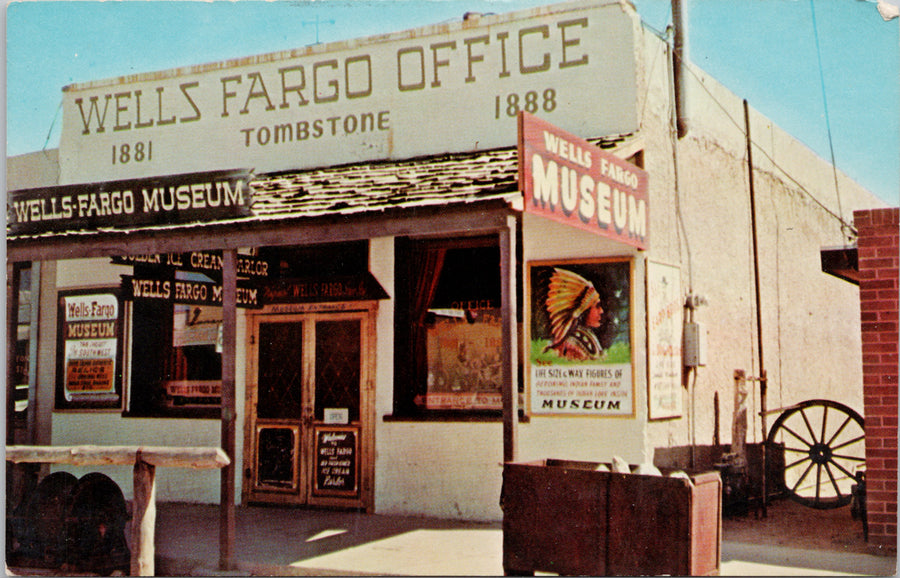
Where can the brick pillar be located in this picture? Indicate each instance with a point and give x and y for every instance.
(877, 244)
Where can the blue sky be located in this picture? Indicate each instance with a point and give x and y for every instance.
(763, 50)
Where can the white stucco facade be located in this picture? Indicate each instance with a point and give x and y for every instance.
(699, 222)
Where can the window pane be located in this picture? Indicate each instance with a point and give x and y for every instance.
(455, 330)
(23, 333)
(194, 368)
(280, 388)
(464, 370)
(176, 356)
(275, 457)
(338, 367)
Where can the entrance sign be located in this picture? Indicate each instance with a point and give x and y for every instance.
(337, 458)
(449, 87)
(569, 180)
(337, 288)
(187, 292)
(166, 200)
(580, 353)
(665, 315)
(89, 350)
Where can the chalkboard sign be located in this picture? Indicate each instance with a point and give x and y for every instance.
(275, 461)
(336, 461)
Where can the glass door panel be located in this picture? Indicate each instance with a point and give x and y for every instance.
(278, 412)
(338, 367)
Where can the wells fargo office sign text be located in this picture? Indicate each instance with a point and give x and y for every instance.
(119, 204)
(567, 179)
(364, 99)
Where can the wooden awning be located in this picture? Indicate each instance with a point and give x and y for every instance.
(842, 262)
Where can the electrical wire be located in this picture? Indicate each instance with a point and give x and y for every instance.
(837, 190)
(52, 124)
(844, 225)
(665, 39)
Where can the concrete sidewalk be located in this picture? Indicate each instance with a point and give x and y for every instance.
(300, 542)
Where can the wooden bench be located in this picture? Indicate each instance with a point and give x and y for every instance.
(145, 460)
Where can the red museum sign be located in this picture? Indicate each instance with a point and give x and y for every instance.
(569, 180)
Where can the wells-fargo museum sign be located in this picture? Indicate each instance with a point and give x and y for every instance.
(167, 200)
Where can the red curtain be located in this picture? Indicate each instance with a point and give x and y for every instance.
(425, 272)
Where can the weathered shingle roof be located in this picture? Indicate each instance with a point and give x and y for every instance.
(385, 185)
(435, 180)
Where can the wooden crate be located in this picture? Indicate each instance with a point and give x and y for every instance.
(565, 517)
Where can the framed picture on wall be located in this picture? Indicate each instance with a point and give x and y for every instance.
(579, 353)
(89, 349)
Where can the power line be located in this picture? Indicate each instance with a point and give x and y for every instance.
(837, 191)
(52, 124)
(844, 225)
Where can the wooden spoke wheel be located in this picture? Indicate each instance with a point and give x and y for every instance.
(824, 449)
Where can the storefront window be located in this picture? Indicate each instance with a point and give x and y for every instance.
(194, 369)
(18, 392)
(176, 367)
(449, 332)
(176, 334)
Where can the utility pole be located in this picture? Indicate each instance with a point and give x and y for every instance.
(317, 22)
(679, 67)
(759, 333)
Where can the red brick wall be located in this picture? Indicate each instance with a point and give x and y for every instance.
(877, 244)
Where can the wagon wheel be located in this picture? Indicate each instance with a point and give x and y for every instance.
(824, 447)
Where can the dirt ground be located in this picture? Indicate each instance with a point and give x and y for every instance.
(791, 524)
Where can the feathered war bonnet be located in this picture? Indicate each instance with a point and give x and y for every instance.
(568, 297)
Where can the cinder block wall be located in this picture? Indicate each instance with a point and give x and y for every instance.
(879, 230)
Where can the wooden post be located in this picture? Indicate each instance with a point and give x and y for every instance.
(763, 383)
(229, 339)
(739, 418)
(510, 340)
(143, 518)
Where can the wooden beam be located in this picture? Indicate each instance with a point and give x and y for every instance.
(228, 441)
(90, 455)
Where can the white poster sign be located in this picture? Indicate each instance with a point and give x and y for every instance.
(665, 318)
(90, 346)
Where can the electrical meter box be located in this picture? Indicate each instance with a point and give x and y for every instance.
(694, 350)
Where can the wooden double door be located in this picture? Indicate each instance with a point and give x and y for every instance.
(309, 423)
